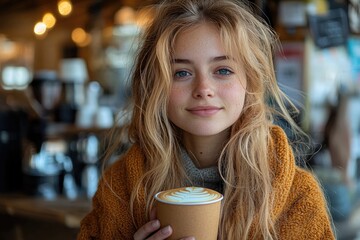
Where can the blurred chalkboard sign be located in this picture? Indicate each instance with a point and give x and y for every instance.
(329, 30)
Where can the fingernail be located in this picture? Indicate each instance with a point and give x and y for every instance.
(166, 230)
(155, 223)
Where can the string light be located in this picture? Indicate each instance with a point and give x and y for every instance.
(125, 15)
(49, 20)
(80, 37)
(64, 7)
(40, 28)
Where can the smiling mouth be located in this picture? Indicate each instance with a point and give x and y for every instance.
(204, 111)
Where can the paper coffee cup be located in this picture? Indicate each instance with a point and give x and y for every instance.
(190, 211)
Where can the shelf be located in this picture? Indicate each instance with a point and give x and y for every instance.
(61, 130)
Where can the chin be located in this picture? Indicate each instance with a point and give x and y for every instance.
(205, 132)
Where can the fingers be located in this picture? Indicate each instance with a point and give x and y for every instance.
(147, 229)
(151, 227)
(162, 234)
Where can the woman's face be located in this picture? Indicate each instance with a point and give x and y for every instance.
(208, 87)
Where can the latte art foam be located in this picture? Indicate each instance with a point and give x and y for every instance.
(189, 195)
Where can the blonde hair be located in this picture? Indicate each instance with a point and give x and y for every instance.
(244, 160)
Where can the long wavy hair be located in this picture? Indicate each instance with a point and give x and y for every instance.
(243, 163)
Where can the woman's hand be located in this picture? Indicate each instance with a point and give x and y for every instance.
(152, 231)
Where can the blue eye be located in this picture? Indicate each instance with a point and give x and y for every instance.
(181, 74)
(224, 71)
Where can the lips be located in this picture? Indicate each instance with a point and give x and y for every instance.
(204, 111)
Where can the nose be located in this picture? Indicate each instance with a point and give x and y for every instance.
(203, 88)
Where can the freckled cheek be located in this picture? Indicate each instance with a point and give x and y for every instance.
(176, 97)
(234, 99)
(235, 94)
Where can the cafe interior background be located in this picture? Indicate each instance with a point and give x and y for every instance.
(64, 68)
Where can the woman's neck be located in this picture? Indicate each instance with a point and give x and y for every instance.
(205, 150)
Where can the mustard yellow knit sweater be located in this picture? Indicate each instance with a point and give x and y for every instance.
(300, 210)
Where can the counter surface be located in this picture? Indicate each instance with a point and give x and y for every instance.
(63, 211)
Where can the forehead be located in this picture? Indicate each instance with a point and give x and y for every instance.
(198, 38)
(197, 30)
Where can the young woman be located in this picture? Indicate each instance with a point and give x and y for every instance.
(202, 82)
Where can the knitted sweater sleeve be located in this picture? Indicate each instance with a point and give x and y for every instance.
(300, 208)
(305, 215)
(110, 216)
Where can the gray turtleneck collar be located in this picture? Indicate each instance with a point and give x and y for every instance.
(201, 177)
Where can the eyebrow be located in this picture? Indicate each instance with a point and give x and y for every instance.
(187, 61)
